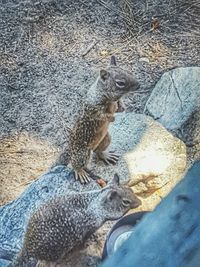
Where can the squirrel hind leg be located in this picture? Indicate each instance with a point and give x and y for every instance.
(82, 175)
(109, 157)
(103, 145)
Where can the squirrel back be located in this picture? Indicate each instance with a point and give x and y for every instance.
(61, 225)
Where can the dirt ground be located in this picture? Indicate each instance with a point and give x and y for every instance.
(50, 53)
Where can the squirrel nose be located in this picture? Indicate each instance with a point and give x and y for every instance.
(136, 203)
(137, 85)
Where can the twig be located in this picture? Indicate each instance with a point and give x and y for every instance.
(176, 89)
(89, 48)
(24, 183)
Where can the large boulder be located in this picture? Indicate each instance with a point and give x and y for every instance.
(152, 159)
(175, 103)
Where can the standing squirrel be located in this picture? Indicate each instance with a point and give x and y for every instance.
(61, 226)
(90, 132)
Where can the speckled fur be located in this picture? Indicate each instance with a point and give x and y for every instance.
(88, 132)
(103, 100)
(61, 225)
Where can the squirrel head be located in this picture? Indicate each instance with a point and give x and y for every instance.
(116, 81)
(116, 199)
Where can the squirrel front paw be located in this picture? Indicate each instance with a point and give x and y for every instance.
(111, 118)
(121, 106)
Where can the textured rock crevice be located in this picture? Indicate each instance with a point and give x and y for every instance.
(175, 103)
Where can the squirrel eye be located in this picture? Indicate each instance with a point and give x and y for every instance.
(120, 83)
(126, 202)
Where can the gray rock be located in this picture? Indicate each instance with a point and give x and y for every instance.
(151, 158)
(4, 263)
(175, 97)
(190, 134)
(14, 216)
(175, 103)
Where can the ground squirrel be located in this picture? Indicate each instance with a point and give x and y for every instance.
(61, 226)
(90, 132)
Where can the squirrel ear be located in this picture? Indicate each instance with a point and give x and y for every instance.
(115, 179)
(104, 74)
(113, 60)
(111, 195)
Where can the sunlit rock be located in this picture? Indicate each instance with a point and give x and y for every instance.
(152, 159)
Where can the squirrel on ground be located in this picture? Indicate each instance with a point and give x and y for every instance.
(90, 132)
(60, 226)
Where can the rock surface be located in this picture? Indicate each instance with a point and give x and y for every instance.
(175, 103)
(190, 134)
(152, 159)
(175, 97)
(23, 158)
